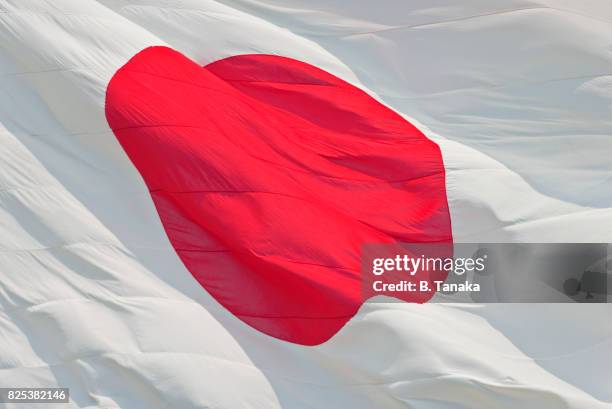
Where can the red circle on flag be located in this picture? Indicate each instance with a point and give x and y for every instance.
(269, 175)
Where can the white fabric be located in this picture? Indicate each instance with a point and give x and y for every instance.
(92, 296)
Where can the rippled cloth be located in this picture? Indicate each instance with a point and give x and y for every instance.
(94, 297)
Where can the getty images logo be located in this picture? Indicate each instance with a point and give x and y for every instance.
(490, 272)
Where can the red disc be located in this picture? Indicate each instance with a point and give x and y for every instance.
(269, 174)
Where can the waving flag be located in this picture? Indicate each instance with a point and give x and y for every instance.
(185, 187)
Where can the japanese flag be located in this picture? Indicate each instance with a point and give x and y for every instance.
(185, 187)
